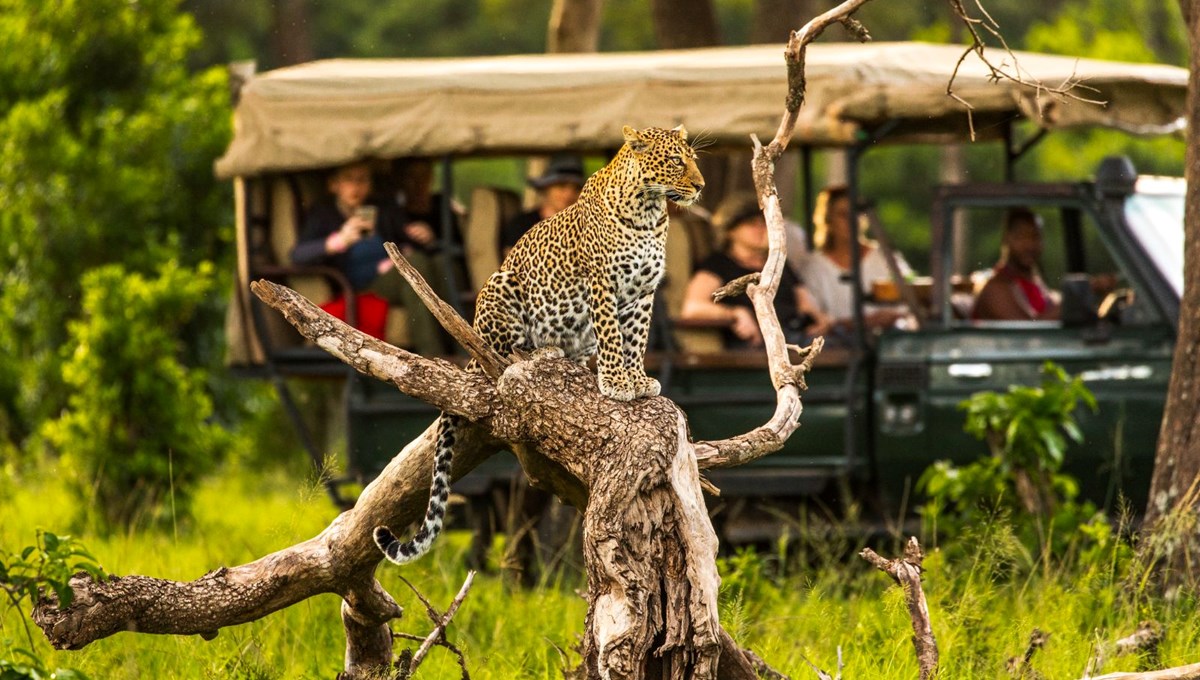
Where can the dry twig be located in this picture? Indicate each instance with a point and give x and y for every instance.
(1065, 90)
(1019, 667)
(440, 621)
(906, 571)
(492, 363)
(822, 675)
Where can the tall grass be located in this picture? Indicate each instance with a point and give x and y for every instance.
(985, 596)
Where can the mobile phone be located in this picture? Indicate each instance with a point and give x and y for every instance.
(367, 213)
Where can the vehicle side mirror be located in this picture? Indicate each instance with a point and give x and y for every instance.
(1078, 303)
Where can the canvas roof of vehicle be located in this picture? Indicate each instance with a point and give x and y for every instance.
(325, 113)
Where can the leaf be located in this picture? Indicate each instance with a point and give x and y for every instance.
(1072, 430)
(64, 593)
(51, 541)
(1054, 447)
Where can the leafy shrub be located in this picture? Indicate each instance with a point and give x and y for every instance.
(24, 576)
(1027, 430)
(136, 426)
(106, 156)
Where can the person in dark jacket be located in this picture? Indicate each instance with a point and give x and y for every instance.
(347, 230)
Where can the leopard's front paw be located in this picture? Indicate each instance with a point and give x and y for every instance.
(645, 386)
(617, 387)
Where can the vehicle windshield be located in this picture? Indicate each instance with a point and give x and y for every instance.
(1155, 214)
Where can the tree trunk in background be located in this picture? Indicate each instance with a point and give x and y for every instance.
(679, 24)
(1172, 509)
(291, 38)
(574, 26)
(774, 19)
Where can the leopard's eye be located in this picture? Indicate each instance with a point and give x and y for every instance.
(677, 161)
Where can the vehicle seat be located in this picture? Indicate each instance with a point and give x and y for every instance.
(491, 208)
(688, 235)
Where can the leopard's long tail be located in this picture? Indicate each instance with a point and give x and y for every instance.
(435, 513)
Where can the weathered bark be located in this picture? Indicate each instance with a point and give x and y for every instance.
(906, 572)
(574, 26)
(1172, 511)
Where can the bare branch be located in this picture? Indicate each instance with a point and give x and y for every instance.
(1068, 89)
(906, 571)
(492, 363)
(1191, 672)
(440, 623)
(794, 57)
(735, 287)
(762, 668)
(435, 381)
(821, 675)
(788, 379)
(341, 559)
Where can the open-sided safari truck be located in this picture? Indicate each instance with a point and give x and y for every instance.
(881, 407)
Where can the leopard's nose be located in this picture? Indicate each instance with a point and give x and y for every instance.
(699, 185)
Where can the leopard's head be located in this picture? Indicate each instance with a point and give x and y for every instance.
(667, 162)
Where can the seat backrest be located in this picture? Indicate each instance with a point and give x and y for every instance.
(490, 209)
(290, 197)
(679, 266)
(689, 241)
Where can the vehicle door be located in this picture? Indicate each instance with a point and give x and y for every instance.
(1124, 359)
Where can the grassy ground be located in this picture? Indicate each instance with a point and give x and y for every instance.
(985, 597)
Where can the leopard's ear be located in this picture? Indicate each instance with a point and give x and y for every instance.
(635, 140)
(681, 131)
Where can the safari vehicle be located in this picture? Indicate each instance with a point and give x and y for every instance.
(879, 409)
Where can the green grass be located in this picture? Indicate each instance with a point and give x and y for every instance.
(984, 599)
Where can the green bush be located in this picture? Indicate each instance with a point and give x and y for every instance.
(136, 429)
(25, 577)
(106, 150)
(1027, 430)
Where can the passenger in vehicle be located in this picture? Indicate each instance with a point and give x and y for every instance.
(557, 187)
(1016, 291)
(423, 225)
(744, 235)
(826, 270)
(347, 231)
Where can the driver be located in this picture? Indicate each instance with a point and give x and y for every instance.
(1016, 291)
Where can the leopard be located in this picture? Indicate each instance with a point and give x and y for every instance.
(581, 281)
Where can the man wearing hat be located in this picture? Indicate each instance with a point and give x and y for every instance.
(558, 187)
